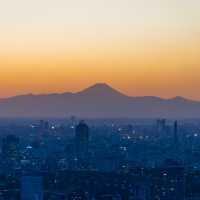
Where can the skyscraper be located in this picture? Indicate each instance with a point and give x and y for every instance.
(175, 132)
(81, 140)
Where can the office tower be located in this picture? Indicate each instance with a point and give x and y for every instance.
(81, 140)
(10, 148)
(175, 132)
(32, 188)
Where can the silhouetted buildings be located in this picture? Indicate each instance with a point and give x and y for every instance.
(110, 159)
(176, 132)
(82, 141)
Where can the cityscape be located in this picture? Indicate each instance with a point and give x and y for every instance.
(118, 159)
(99, 100)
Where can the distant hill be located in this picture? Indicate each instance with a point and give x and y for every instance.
(98, 101)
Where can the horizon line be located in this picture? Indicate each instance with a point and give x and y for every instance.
(100, 84)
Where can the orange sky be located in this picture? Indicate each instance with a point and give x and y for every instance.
(163, 70)
(138, 48)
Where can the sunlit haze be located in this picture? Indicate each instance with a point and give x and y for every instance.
(141, 47)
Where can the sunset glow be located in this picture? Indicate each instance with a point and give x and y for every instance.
(139, 47)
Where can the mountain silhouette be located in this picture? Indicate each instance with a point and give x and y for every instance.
(100, 89)
(98, 101)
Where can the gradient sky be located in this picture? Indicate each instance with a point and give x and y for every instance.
(142, 47)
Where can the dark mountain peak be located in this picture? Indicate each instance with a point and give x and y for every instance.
(100, 86)
(99, 100)
(100, 89)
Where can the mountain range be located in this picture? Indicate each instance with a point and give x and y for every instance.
(98, 101)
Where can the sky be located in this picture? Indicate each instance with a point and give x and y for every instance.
(141, 47)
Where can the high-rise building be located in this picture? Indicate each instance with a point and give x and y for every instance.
(32, 188)
(175, 132)
(81, 140)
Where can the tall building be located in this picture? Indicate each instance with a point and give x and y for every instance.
(32, 188)
(81, 140)
(175, 132)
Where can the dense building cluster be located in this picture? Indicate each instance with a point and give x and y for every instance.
(100, 160)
